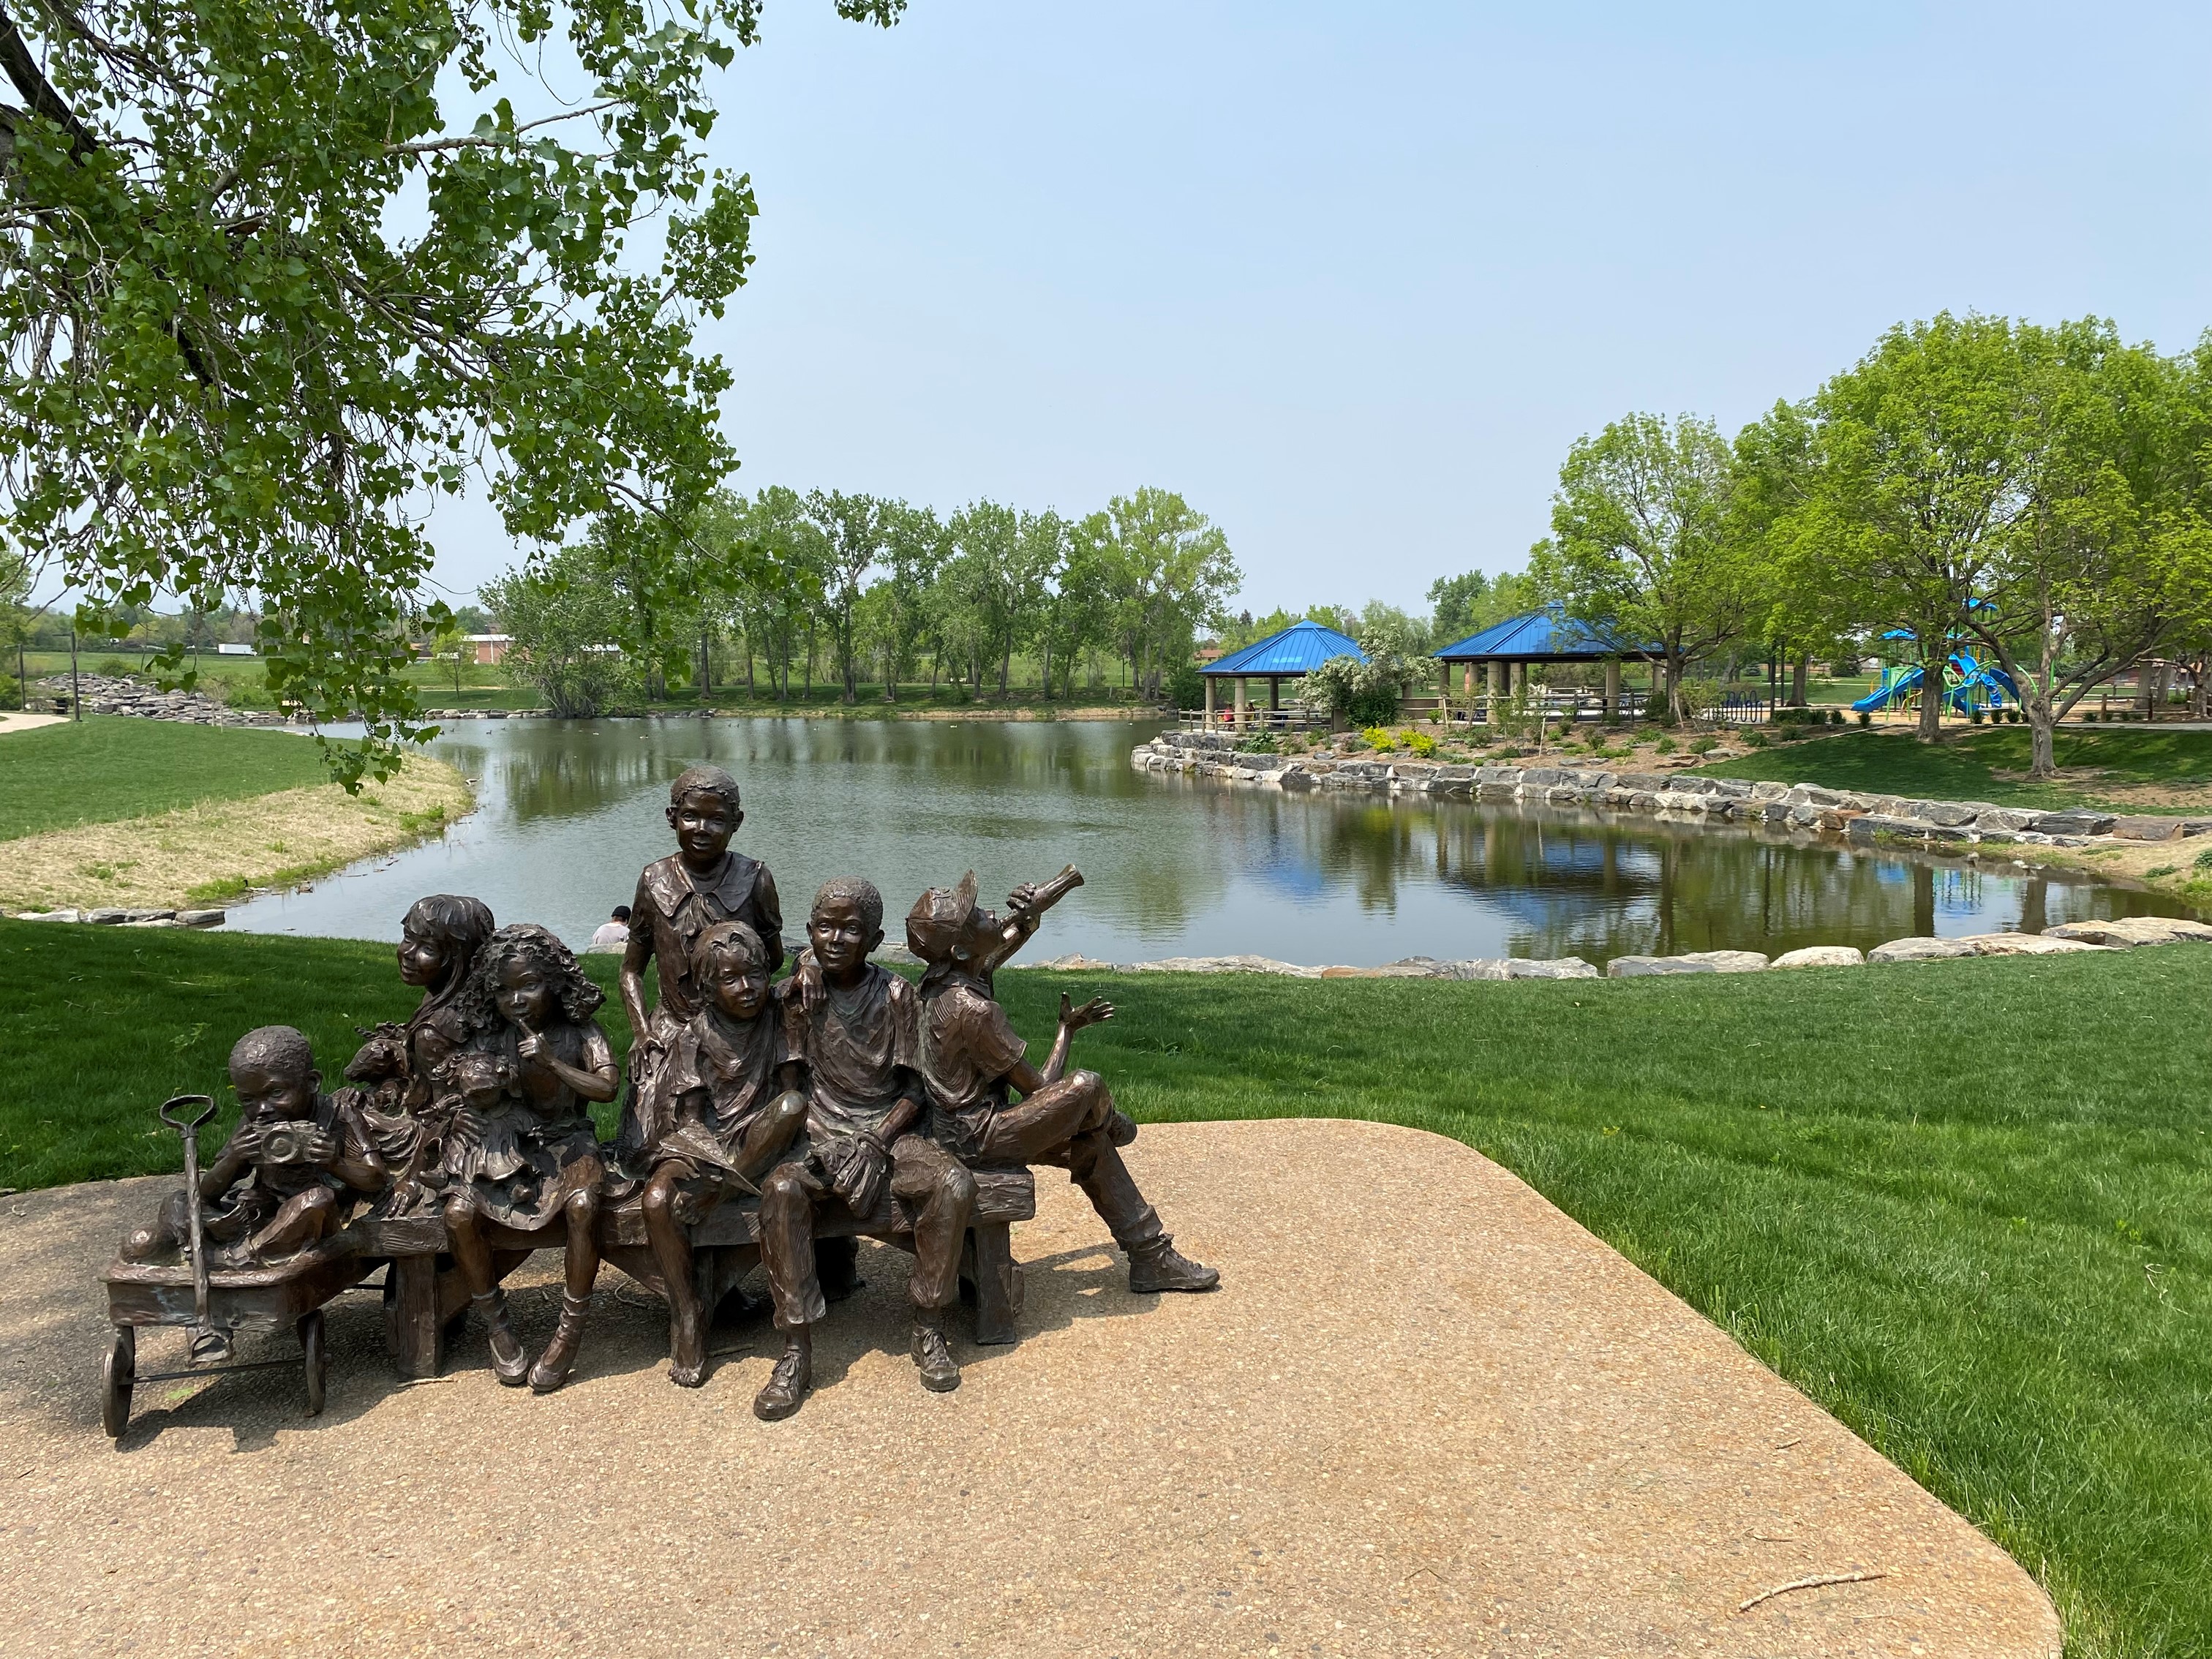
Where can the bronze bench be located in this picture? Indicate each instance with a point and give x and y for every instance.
(423, 1291)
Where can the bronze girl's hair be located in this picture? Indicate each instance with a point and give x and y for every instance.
(526, 941)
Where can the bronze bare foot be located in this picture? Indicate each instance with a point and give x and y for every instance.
(788, 1384)
(687, 1348)
(1160, 1266)
(938, 1374)
(508, 1363)
(554, 1365)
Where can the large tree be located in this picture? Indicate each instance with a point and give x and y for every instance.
(2109, 560)
(852, 528)
(274, 274)
(1172, 574)
(1645, 549)
(1924, 458)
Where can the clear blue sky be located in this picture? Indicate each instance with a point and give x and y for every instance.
(1353, 277)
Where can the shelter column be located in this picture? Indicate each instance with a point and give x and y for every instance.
(1208, 678)
(1466, 681)
(1242, 703)
(1613, 689)
(1274, 693)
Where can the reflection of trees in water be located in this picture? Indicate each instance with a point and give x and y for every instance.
(569, 769)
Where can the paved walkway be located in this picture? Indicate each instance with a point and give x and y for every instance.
(21, 722)
(1427, 1414)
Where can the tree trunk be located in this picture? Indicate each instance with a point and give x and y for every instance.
(1931, 699)
(1044, 678)
(2042, 739)
(1007, 665)
(1801, 673)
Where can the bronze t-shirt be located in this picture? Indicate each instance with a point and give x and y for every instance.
(857, 1044)
(968, 1047)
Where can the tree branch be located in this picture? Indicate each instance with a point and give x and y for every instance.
(30, 82)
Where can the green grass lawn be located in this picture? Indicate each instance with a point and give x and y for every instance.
(1964, 765)
(1963, 1205)
(107, 767)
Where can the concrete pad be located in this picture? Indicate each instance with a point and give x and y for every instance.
(15, 720)
(1428, 1414)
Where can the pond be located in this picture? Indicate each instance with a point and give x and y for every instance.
(569, 811)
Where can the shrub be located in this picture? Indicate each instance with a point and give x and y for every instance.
(1365, 693)
(1973, 717)
(1262, 745)
(2204, 860)
(1759, 739)
(1186, 687)
(1664, 746)
(2158, 869)
(1353, 743)
(113, 666)
(1422, 744)
(1704, 745)
(1835, 717)
(1799, 717)
(1379, 740)
(1866, 717)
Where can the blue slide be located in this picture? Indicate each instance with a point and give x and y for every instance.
(1966, 677)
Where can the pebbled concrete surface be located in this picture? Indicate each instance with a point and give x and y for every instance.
(1427, 1414)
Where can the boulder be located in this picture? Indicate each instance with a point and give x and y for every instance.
(1946, 813)
(200, 918)
(2147, 828)
(1641, 967)
(2126, 930)
(1224, 965)
(51, 915)
(1555, 967)
(1920, 949)
(1821, 956)
(107, 915)
(1728, 961)
(2074, 824)
(2025, 945)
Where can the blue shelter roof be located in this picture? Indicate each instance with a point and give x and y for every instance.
(1542, 635)
(1298, 649)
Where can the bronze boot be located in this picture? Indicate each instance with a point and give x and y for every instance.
(938, 1374)
(1157, 1265)
(554, 1365)
(788, 1384)
(508, 1363)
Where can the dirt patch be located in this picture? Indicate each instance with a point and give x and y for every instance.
(219, 849)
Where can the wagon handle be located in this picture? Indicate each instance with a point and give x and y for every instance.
(179, 1122)
(173, 1113)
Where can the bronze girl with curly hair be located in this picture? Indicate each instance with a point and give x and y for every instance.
(520, 1151)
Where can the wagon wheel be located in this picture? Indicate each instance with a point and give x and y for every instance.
(116, 1368)
(318, 1359)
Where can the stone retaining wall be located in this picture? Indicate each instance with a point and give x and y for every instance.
(106, 693)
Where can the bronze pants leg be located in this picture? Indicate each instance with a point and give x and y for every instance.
(787, 1246)
(938, 1188)
(1064, 1123)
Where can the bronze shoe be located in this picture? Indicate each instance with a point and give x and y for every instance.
(938, 1374)
(1160, 1266)
(787, 1384)
(508, 1363)
(554, 1365)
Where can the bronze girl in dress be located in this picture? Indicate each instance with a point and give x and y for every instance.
(519, 1151)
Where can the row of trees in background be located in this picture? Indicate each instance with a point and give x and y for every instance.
(2041, 494)
(875, 591)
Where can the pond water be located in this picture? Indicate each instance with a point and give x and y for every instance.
(569, 811)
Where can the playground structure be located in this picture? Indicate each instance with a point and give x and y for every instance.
(1969, 683)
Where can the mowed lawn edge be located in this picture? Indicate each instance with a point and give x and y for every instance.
(107, 768)
(1961, 1204)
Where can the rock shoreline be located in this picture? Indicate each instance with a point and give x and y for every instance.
(105, 693)
(1859, 819)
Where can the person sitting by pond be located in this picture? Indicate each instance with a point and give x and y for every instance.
(290, 1175)
(736, 1113)
(519, 1148)
(851, 1023)
(439, 938)
(678, 898)
(972, 1062)
(613, 934)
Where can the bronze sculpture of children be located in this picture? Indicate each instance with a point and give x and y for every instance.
(678, 898)
(290, 1176)
(853, 1025)
(439, 939)
(520, 1149)
(972, 1059)
(728, 1079)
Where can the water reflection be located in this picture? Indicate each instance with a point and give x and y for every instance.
(1175, 866)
